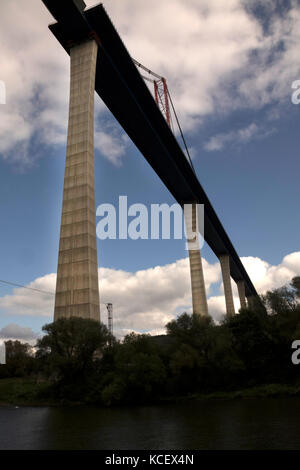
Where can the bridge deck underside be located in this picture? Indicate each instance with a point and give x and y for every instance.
(123, 90)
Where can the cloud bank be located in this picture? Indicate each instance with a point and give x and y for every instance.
(17, 332)
(146, 300)
(238, 136)
(217, 57)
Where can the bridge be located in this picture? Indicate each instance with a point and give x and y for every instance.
(101, 62)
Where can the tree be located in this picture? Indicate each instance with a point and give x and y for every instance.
(252, 342)
(71, 346)
(19, 358)
(295, 285)
(16, 349)
(191, 329)
(283, 299)
(138, 372)
(203, 357)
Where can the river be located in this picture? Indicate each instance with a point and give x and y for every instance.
(217, 424)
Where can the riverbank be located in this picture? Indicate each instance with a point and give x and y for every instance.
(22, 392)
(261, 391)
(28, 392)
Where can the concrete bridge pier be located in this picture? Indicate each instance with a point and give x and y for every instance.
(225, 268)
(199, 299)
(77, 291)
(241, 291)
(251, 300)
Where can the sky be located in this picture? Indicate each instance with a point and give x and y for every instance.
(230, 66)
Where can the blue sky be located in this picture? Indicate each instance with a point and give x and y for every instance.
(239, 122)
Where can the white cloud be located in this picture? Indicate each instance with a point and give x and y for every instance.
(218, 141)
(216, 306)
(263, 275)
(195, 45)
(34, 104)
(236, 137)
(35, 70)
(216, 55)
(266, 276)
(110, 145)
(27, 302)
(276, 64)
(14, 331)
(203, 48)
(147, 299)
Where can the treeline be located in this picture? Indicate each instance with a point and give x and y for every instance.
(78, 360)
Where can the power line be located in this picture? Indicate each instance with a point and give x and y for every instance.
(37, 290)
(107, 304)
(26, 287)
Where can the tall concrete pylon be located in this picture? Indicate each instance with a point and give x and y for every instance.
(225, 268)
(199, 299)
(77, 290)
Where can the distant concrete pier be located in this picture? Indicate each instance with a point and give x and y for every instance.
(197, 279)
(241, 291)
(251, 300)
(225, 268)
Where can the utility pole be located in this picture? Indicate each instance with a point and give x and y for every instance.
(109, 307)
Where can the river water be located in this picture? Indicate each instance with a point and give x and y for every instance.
(229, 424)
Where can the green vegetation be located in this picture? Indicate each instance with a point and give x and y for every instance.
(78, 361)
(22, 391)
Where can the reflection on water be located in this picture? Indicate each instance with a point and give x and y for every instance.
(243, 424)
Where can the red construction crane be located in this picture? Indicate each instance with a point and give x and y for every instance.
(163, 101)
(161, 93)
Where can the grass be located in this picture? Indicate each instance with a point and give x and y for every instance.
(27, 392)
(260, 391)
(20, 391)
